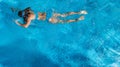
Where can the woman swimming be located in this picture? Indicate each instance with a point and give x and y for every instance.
(28, 15)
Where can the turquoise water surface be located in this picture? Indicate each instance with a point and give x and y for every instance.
(93, 42)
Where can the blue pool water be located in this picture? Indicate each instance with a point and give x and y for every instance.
(94, 42)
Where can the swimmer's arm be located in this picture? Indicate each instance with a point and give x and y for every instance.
(23, 25)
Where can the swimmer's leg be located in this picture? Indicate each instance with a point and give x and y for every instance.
(71, 13)
(80, 12)
(56, 14)
(66, 14)
(74, 20)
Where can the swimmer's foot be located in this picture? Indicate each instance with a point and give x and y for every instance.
(81, 18)
(83, 12)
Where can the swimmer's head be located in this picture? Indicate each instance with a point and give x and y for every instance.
(21, 13)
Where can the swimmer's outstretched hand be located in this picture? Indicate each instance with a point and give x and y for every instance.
(16, 21)
(23, 25)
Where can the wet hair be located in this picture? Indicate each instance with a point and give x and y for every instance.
(24, 12)
(27, 9)
(20, 13)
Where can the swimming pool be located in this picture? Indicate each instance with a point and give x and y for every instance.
(94, 42)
